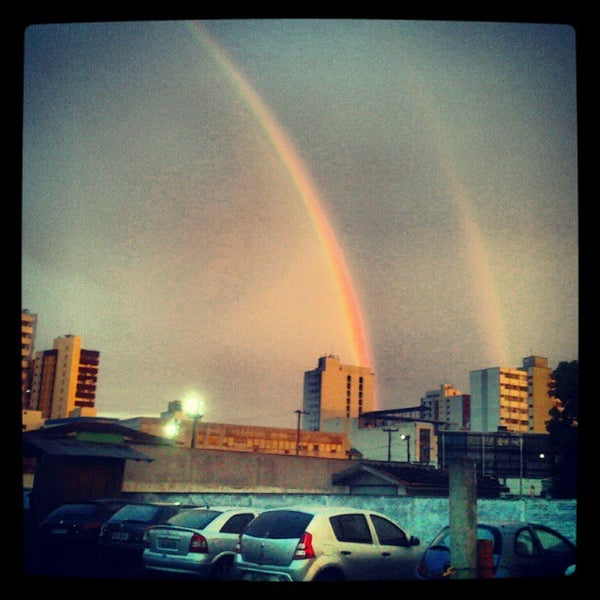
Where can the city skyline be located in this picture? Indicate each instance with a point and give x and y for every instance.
(214, 205)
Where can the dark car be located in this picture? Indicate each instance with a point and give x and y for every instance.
(519, 549)
(71, 530)
(121, 541)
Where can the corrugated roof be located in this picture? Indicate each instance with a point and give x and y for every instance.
(91, 424)
(71, 447)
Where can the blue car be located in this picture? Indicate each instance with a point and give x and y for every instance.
(519, 549)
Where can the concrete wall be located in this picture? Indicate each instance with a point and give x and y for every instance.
(231, 478)
(422, 517)
(189, 470)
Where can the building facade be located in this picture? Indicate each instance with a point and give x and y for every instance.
(389, 436)
(334, 390)
(511, 399)
(65, 380)
(187, 432)
(28, 326)
(522, 461)
(449, 405)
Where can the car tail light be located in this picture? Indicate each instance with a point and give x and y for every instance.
(198, 544)
(304, 549)
(91, 526)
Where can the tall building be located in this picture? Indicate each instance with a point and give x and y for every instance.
(28, 326)
(334, 390)
(65, 379)
(511, 399)
(449, 405)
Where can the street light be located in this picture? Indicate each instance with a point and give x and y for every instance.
(299, 412)
(192, 407)
(389, 431)
(171, 429)
(406, 437)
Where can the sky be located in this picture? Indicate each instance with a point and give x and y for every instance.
(215, 204)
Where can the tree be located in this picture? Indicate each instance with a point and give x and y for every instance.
(563, 428)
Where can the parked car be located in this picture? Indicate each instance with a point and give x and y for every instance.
(121, 540)
(325, 544)
(199, 542)
(519, 549)
(71, 530)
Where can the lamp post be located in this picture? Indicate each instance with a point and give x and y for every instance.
(521, 466)
(389, 431)
(193, 408)
(298, 413)
(406, 437)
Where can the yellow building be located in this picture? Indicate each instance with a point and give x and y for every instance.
(64, 380)
(512, 399)
(334, 390)
(243, 438)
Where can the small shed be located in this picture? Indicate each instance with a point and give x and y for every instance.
(80, 459)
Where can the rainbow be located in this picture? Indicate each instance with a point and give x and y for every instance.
(489, 317)
(308, 192)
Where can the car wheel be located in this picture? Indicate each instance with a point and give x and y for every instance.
(329, 575)
(222, 569)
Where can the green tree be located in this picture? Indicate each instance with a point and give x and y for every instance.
(563, 428)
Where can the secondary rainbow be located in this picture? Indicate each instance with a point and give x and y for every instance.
(308, 192)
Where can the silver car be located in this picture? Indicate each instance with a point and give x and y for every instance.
(325, 544)
(199, 542)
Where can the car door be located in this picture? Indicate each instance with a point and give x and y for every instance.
(357, 552)
(396, 557)
(547, 554)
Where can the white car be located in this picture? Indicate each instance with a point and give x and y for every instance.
(325, 544)
(198, 541)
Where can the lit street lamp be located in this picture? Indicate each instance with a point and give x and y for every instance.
(192, 407)
(171, 429)
(406, 437)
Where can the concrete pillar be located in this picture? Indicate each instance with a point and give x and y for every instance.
(463, 518)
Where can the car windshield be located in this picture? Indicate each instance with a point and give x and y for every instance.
(136, 512)
(483, 533)
(281, 524)
(194, 519)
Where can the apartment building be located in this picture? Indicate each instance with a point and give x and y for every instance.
(65, 379)
(28, 326)
(449, 406)
(511, 399)
(334, 390)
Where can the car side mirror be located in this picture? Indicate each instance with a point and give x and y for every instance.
(414, 541)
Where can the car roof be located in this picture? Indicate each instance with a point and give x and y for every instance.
(224, 508)
(324, 510)
(507, 525)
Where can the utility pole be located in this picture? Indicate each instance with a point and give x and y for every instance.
(389, 431)
(298, 413)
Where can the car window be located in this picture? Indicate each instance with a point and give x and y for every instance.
(280, 524)
(524, 544)
(351, 528)
(136, 512)
(195, 519)
(551, 543)
(483, 533)
(237, 523)
(388, 533)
